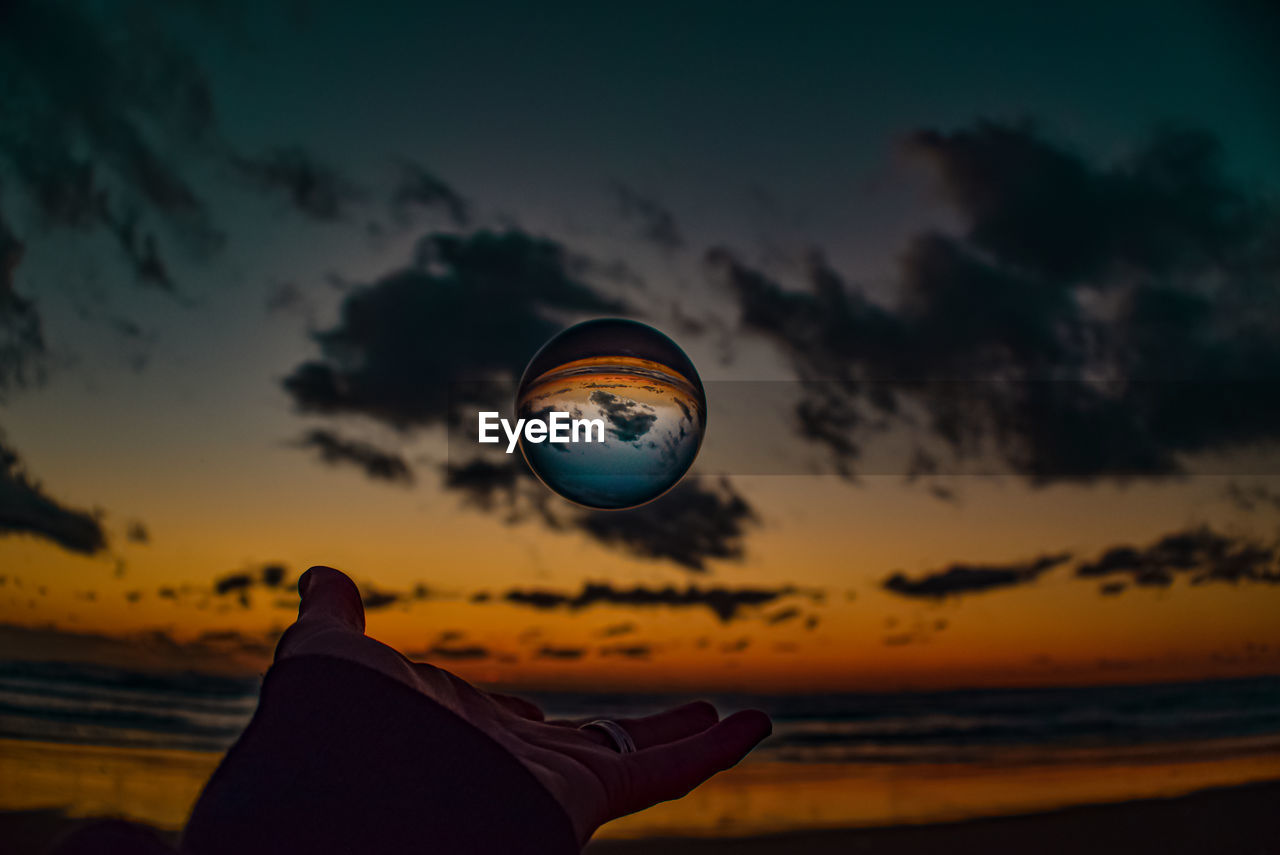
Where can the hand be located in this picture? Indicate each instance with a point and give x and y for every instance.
(677, 749)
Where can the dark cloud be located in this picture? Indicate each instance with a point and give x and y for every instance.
(656, 223)
(782, 616)
(96, 103)
(277, 579)
(313, 188)
(697, 521)
(563, 653)
(419, 189)
(941, 493)
(491, 486)
(921, 630)
(1043, 208)
(22, 345)
(456, 653)
(376, 463)
(1089, 321)
(401, 329)
(239, 584)
(628, 651)
(213, 651)
(1201, 554)
(232, 583)
(108, 115)
(25, 508)
(273, 575)
(375, 598)
(1253, 497)
(724, 603)
(137, 532)
(959, 579)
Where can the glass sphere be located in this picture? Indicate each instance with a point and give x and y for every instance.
(635, 391)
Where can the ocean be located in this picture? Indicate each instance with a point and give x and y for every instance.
(99, 705)
(82, 734)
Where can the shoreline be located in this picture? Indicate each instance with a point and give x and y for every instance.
(1223, 819)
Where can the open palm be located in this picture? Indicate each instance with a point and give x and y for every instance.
(676, 750)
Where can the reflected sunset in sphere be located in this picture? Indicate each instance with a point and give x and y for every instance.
(644, 391)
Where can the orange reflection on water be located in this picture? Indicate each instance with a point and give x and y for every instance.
(152, 785)
(768, 797)
(159, 786)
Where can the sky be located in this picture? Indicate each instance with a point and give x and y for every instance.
(985, 301)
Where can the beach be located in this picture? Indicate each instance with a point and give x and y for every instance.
(1239, 820)
(1100, 769)
(79, 742)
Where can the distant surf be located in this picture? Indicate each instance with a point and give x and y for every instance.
(92, 704)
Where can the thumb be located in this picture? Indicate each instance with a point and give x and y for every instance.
(329, 595)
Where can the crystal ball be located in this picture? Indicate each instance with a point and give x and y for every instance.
(639, 401)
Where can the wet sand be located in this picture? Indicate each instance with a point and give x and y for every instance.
(1240, 820)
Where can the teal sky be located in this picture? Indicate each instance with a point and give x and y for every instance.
(769, 128)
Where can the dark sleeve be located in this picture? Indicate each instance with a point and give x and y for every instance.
(340, 758)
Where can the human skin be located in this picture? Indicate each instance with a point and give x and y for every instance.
(677, 749)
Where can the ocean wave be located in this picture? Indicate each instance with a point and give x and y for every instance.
(95, 704)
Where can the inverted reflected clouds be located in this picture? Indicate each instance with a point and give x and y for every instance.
(645, 392)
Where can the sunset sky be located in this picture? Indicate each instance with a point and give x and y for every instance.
(258, 249)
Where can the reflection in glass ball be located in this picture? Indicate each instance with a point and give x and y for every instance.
(644, 390)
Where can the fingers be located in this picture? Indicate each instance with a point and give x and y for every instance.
(670, 771)
(329, 595)
(519, 706)
(670, 725)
